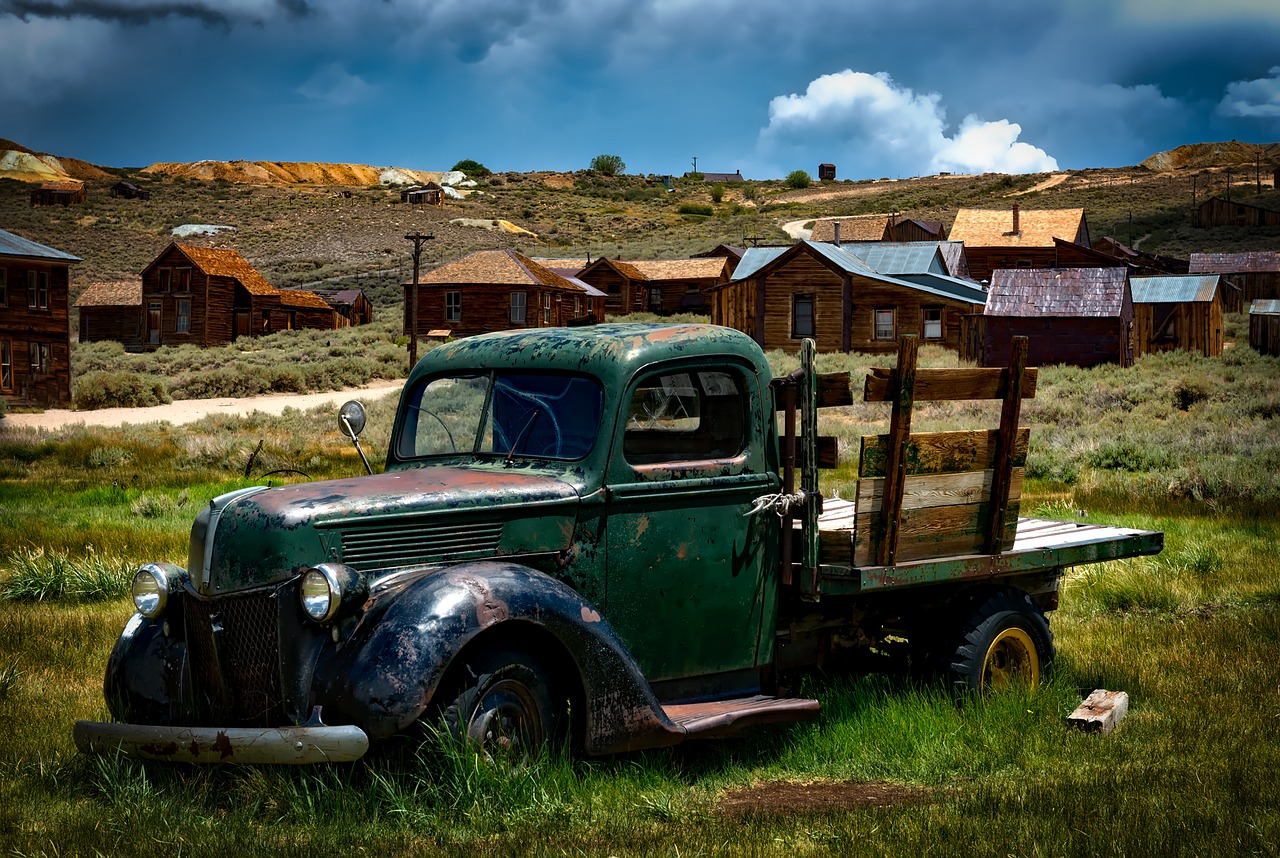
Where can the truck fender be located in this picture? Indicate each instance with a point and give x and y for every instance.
(143, 682)
(385, 675)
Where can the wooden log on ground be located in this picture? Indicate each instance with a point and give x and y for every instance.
(1100, 712)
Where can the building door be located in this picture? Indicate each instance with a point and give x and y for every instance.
(153, 323)
(242, 323)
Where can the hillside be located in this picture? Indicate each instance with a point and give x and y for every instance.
(294, 173)
(1200, 156)
(20, 163)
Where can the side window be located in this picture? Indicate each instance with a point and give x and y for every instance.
(801, 316)
(932, 322)
(885, 326)
(684, 416)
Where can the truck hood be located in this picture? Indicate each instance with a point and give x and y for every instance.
(382, 522)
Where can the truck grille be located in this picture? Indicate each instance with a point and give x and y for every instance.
(233, 646)
(406, 544)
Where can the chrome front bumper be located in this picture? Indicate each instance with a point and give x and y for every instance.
(269, 745)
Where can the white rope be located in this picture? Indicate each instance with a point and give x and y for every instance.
(780, 503)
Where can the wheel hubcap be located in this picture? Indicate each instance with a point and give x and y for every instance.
(507, 718)
(1011, 659)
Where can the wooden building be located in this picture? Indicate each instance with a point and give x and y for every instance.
(662, 286)
(35, 322)
(838, 230)
(730, 253)
(351, 304)
(1216, 211)
(495, 290)
(781, 295)
(299, 309)
(1073, 316)
(826, 172)
(1141, 263)
(111, 311)
(129, 191)
(1018, 238)
(1257, 274)
(430, 194)
(1264, 327)
(58, 194)
(1177, 312)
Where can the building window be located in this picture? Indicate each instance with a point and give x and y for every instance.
(801, 316)
(166, 276)
(885, 326)
(182, 283)
(519, 303)
(4, 287)
(38, 290)
(932, 318)
(6, 366)
(546, 308)
(453, 306)
(184, 316)
(39, 358)
(577, 306)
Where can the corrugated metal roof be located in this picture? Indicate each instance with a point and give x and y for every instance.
(895, 258)
(952, 287)
(1265, 307)
(1061, 292)
(756, 258)
(1174, 289)
(1036, 227)
(1252, 262)
(16, 245)
(117, 293)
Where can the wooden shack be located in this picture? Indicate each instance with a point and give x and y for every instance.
(429, 194)
(1072, 316)
(111, 311)
(729, 252)
(1264, 327)
(35, 322)
(351, 304)
(204, 296)
(1141, 263)
(1217, 211)
(495, 290)
(1017, 238)
(662, 286)
(1177, 312)
(58, 194)
(1256, 273)
(782, 295)
(129, 191)
(299, 309)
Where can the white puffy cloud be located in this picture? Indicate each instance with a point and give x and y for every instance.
(1253, 98)
(333, 84)
(886, 128)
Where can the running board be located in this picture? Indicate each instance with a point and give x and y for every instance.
(718, 718)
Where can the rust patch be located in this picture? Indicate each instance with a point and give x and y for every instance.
(784, 798)
(160, 749)
(222, 745)
(642, 524)
(590, 616)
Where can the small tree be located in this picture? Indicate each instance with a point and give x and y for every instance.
(717, 192)
(798, 179)
(473, 169)
(608, 165)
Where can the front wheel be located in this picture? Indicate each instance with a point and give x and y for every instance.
(1005, 642)
(507, 702)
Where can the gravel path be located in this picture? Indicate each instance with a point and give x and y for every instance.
(189, 410)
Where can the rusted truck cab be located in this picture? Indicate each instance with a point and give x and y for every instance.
(609, 535)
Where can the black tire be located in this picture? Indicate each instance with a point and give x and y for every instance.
(1005, 642)
(506, 701)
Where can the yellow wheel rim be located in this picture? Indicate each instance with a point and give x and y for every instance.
(1010, 659)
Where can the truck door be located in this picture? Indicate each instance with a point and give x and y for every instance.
(686, 562)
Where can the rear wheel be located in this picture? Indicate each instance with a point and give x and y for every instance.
(1005, 642)
(508, 702)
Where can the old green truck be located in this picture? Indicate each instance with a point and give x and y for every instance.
(611, 536)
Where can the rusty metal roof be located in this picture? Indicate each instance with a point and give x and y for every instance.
(116, 293)
(1174, 289)
(1057, 292)
(16, 245)
(1251, 262)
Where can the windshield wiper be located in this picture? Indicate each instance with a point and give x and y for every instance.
(533, 418)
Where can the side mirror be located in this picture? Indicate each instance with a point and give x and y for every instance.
(351, 419)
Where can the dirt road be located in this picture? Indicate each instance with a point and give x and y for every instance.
(190, 410)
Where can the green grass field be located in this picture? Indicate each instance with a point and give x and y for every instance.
(892, 767)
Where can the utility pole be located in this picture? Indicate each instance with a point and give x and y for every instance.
(418, 239)
(695, 164)
(1257, 167)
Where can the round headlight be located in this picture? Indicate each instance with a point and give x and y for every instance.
(151, 591)
(321, 594)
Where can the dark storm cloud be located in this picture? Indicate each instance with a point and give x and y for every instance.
(129, 14)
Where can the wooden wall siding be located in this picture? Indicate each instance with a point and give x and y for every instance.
(1264, 333)
(283, 318)
(803, 275)
(1081, 341)
(984, 260)
(1219, 212)
(486, 307)
(1256, 284)
(22, 325)
(909, 230)
(1166, 327)
(621, 294)
(120, 324)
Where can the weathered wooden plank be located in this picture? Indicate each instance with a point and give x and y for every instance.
(1100, 712)
(940, 452)
(899, 436)
(935, 385)
(1010, 412)
(921, 492)
(931, 532)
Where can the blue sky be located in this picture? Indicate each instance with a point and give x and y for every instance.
(879, 89)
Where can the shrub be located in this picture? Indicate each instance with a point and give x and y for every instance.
(104, 389)
(798, 179)
(717, 192)
(696, 209)
(473, 169)
(4, 407)
(608, 165)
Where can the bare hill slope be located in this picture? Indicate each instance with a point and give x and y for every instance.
(293, 173)
(1207, 155)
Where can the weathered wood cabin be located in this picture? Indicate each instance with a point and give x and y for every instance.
(1216, 211)
(111, 311)
(838, 230)
(352, 305)
(300, 309)
(129, 191)
(1141, 263)
(781, 295)
(67, 193)
(1264, 327)
(730, 253)
(1257, 274)
(429, 194)
(1177, 312)
(661, 286)
(496, 290)
(1073, 316)
(35, 322)
(1018, 238)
